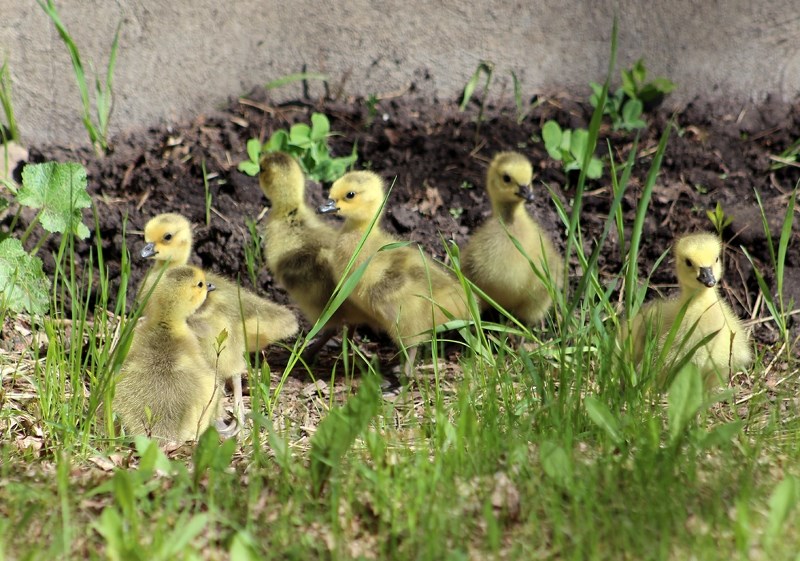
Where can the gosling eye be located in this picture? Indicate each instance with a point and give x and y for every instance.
(717, 261)
(200, 284)
(688, 262)
(506, 178)
(167, 237)
(350, 195)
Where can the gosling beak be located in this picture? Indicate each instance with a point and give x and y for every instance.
(327, 207)
(149, 250)
(210, 287)
(706, 277)
(525, 192)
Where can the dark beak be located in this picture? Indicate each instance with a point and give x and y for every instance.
(210, 287)
(525, 192)
(328, 207)
(149, 250)
(706, 277)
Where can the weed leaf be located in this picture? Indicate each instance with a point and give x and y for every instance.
(556, 463)
(23, 284)
(601, 415)
(59, 189)
(781, 503)
(684, 399)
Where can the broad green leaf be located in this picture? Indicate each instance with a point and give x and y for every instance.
(556, 463)
(300, 135)
(600, 414)
(278, 142)
(631, 113)
(320, 127)
(59, 189)
(684, 399)
(242, 548)
(595, 169)
(663, 85)
(124, 495)
(23, 284)
(722, 434)
(248, 167)
(579, 143)
(110, 526)
(182, 535)
(254, 149)
(151, 456)
(337, 432)
(781, 503)
(551, 134)
(211, 454)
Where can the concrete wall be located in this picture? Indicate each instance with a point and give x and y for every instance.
(182, 57)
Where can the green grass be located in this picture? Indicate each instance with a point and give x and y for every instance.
(549, 449)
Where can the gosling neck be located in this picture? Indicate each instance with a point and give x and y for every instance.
(165, 314)
(508, 212)
(698, 294)
(289, 203)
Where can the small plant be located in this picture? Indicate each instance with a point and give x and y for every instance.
(10, 132)
(719, 219)
(253, 256)
(372, 108)
(522, 109)
(484, 68)
(96, 127)
(788, 157)
(309, 144)
(636, 86)
(206, 191)
(570, 148)
(627, 104)
(58, 192)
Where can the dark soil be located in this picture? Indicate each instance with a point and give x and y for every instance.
(438, 155)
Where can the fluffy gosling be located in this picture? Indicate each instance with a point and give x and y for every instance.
(492, 261)
(251, 327)
(166, 386)
(294, 240)
(402, 291)
(699, 271)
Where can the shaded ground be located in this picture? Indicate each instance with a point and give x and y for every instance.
(438, 156)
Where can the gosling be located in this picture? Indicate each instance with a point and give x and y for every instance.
(404, 293)
(166, 387)
(699, 271)
(294, 241)
(514, 279)
(251, 322)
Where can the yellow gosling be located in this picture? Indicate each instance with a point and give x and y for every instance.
(294, 241)
(250, 321)
(403, 292)
(166, 387)
(699, 270)
(490, 258)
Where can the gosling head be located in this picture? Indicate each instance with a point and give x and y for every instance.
(281, 178)
(181, 291)
(697, 260)
(356, 196)
(168, 237)
(508, 179)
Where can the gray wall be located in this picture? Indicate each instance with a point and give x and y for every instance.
(181, 57)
